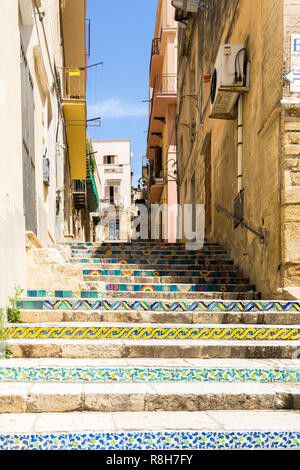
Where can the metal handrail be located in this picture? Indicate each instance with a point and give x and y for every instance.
(260, 235)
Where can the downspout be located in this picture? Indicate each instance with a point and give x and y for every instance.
(240, 144)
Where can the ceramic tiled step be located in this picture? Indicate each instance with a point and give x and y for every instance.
(165, 279)
(150, 370)
(138, 331)
(134, 255)
(187, 268)
(93, 303)
(133, 286)
(135, 244)
(163, 253)
(151, 250)
(171, 273)
(208, 262)
(131, 295)
(148, 316)
(113, 397)
(58, 348)
(54, 300)
(174, 430)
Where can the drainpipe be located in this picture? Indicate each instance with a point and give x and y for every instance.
(240, 144)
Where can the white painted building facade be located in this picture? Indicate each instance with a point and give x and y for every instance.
(113, 159)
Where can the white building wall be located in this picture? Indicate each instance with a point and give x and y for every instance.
(12, 223)
(20, 25)
(122, 150)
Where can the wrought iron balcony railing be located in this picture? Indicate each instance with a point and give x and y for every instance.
(165, 84)
(155, 50)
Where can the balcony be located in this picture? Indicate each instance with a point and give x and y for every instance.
(85, 192)
(164, 94)
(156, 61)
(74, 83)
(165, 84)
(79, 194)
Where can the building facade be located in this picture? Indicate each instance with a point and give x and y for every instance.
(246, 165)
(161, 142)
(113, 160)
(43, 129)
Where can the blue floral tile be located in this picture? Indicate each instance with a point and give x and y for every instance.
(95, 375)
(126, 375)
(114, 441)
(168, 375)
(20, 442)
(170, 440)
(155, 375)
(152, 440)
(278, 440)
(96, 441)
(58, 442)
(133, 441)
(39, 442)
(197, 375)
(293, 440)
(207, 440)
(189, 440)
(140, 375)
(182, 375)
(5, 442)
(77, 442)
(292, 375)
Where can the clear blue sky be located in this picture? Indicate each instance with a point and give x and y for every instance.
(121, 35)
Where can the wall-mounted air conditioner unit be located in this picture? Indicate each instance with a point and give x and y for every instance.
(46, 171)
(230, 78)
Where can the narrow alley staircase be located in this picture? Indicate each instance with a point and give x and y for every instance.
(165, 349)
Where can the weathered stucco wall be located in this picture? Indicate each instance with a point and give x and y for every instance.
(261, 26)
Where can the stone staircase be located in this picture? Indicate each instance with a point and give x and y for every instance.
(164, 349)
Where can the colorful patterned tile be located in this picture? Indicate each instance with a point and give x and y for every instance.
(77, 442)
(40, 442)
(293, 440)
(5, 442)
(151, 440)
(133, 441)
(189, 440)
(58, 442)
(170, 440)
(114, 441)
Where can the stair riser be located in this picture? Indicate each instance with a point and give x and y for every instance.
(169, 288)
(166, 280)
(159, 441)
(147, 375)
(117, 349)
(40, 316)
(64, 402)
(165, 333)
(141, 258)
(183, 295)
(159, 274)
(188, 269)
(150, 263)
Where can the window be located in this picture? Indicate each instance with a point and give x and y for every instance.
(112, 191)
(111, 194)
(109, 159)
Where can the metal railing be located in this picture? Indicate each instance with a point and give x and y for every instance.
(74, 83)
(240, 222)
(155, 50)
(79, 186)
(165, 84)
